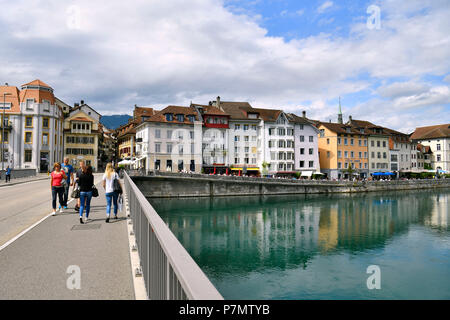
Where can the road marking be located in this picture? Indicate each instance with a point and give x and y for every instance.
(28, 229)
(34, 225)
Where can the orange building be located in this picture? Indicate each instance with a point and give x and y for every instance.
(342, 146)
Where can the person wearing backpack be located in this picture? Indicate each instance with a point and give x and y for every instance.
(113, 188)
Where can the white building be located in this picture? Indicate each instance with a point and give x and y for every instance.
(171, 140)
(438, 139)
(33, 124)
(306, 145)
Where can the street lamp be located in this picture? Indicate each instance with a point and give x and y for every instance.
(3, 128)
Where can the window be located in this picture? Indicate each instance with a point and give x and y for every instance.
(28, 137)
(180, 117)
(311, 138)
(373, 154)
(372, 143)
(169, 148)
(365, 143)
(311, 164)
(246, 126)
(352, 154)
(345, 141)
(29, 105)
(45, 139)
(378, 144)
(238, 127)
(360, 155)
(302, 164)
(339, 141)
(438, 158)
(169, 134)
(246, 138)
(157, 133)
(352, 141)
(237, 138)
(328, 141)
(302, 150)
(438, 147)
(384, 155)
(28, 155)
(271, 131)
(384, 144)
(328, 154)
(360, 143)
(45, 123)
(379, 155)
(247, 149)
(373, 165)
(339, 165)
(6, 136)
(254, 127)
(346, 154)
(365, 155)
(311, 151)
(169, 117)
(29, 122)
(339, 154)
(301, 127)
(236, 160)
(302, 138)
(191, 135)
(157, 147)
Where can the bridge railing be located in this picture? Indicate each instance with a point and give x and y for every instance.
(169, 271)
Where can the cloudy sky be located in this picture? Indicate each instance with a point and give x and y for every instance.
(287, 54)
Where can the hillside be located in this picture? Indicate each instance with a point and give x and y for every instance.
(114, 121)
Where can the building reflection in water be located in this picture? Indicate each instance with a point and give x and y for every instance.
(244, 234)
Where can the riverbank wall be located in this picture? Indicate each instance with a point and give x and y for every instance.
(218, 186)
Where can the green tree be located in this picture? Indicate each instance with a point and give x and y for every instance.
(265, 165)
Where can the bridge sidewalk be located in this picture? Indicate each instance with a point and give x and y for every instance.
(35, 265)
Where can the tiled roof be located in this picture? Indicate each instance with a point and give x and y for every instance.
(37, 82)
(237, 110)
(269, 115)
(186, 111)
(432, 132)
(12, 97)
(340, 128)
(296, 119)
(81, 119)
(424, 149)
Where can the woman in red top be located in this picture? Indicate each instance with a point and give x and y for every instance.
(56, 184)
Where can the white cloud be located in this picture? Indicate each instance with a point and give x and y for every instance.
(325, 6)
(171, 52)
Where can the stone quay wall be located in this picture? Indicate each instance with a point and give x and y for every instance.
(217, 186)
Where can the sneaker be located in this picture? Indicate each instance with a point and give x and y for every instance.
(54, 213)
(107, 220)
(61, 210)
(81, 221)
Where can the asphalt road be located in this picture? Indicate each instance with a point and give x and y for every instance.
(24, 204)
(39, 265)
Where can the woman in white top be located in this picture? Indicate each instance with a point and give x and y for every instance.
(111, 195)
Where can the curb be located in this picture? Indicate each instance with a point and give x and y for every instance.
(21, 182)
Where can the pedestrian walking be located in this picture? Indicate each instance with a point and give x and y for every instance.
(113, 188)
(78, 173)
(8, 174)
(85, 183)
(68, 169)
(58, 177)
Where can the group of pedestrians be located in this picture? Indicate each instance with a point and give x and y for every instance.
(62, 178)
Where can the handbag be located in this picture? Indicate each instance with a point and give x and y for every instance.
(94, 192)
(116, 186)
(75, 193)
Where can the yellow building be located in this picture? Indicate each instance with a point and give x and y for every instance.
(81, 135)
(342, 146)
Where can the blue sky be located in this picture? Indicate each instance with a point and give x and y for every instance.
(284, 54)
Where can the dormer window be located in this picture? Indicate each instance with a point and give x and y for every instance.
(180, 117)
(362, 130)
(253, 116)
(348, 130)
(169, 117)
(191, 118)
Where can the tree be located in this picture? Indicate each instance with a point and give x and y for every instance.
(350, 170)
(265, 165)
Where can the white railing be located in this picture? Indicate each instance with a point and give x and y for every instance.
(169, 271)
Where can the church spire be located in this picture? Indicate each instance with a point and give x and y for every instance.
(340, 120)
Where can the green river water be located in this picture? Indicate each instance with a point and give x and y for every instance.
(317, 246)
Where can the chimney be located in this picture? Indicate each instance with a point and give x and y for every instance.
(82, 102)
(218, 102)
(350, 120)
(304, 114)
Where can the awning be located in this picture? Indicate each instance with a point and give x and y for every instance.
(307, 174)
(319, 173)
(383, 174)
(242, 169)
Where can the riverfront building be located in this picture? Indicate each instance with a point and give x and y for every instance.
(82, 135)
(378, 144)
(306, 145)
(437, 138)
(32, 126)
(341, 147)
